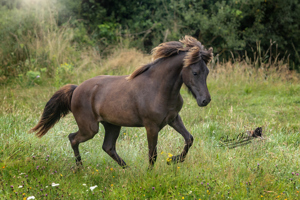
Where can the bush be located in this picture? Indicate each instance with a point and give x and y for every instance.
(31, 41)
(231, 27)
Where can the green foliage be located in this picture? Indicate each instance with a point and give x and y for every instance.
(31, 39)
(231, 26)
(63, 74)
(34, 77)
(107, 30)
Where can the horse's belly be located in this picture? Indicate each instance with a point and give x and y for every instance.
(122, 119)
(120, 114)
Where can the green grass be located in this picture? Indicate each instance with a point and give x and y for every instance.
(265, 169)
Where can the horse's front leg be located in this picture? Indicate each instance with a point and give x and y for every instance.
(178, 125)
(152, 135)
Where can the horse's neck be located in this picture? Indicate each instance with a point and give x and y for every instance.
(168, 74)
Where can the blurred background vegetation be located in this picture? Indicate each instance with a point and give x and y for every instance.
(42, 39)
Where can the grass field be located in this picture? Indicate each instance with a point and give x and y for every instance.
(243, 98)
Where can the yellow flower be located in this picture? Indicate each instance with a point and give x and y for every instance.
(170, 155)
(182, 197)
(261, 196)
(96, 170)
(178, 167)
(112, 185)
(162, 152)
(124, 133)
(61, 175)
(113, 176)
(111, 169)
(169, 159)
(207, 191)
(23, 193)
(24, 198)
(3, 167)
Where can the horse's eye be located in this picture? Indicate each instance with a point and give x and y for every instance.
(195, 73)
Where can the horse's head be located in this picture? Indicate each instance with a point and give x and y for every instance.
(194, 77)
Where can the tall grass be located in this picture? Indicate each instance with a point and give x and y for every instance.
(243, 97)
(34, 48)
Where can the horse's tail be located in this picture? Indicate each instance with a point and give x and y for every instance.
(57, 107)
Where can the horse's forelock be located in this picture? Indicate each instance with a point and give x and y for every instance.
(192, 56)
(196, 51)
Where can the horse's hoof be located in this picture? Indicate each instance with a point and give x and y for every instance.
(174, 160)
(79, 163)
(169, 161)
(76, 168)
(125, 167)
(150, 168)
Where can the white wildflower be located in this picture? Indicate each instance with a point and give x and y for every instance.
(22, 173)
(54, 184)
(93, 187)
(20, 186)
(31, 197)
(84, 184)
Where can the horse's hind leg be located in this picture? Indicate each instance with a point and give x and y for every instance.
(109, 145)
(87, 130)
(75, 148)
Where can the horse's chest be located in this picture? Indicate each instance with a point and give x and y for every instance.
(169, 114)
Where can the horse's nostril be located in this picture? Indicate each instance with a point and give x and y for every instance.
(205, 101)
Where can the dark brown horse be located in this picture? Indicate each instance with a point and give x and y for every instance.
(149, 97)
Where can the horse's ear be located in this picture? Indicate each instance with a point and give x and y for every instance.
(211, 51)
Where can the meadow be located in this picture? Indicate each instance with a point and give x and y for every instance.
(243, 98)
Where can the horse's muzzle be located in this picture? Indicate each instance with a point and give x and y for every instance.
(203, 101)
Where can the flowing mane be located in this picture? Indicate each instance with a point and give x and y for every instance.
(195, 52)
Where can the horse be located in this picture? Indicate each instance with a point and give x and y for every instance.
(149, 97)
